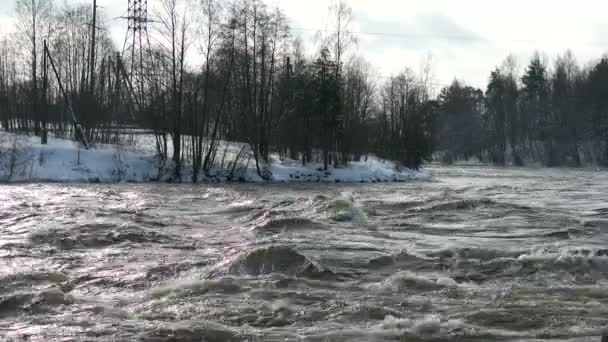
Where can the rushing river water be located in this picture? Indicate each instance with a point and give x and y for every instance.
(477, 254)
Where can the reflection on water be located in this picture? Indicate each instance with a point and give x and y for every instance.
(475, 255)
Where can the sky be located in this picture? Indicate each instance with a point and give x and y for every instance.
(466, 39)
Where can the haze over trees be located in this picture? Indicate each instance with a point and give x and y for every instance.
(215, 70)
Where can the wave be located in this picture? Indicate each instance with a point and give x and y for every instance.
(482, 254)
(562, 234)
(595, 223)
(96, 236)
(509, 319)
(171, 270)
(591, 257)
(191, 331)
(365, 312)
(11, 304)
(404, 281)
(473, 203)
(277, 259)
(287, 223)
(405, 262)
(225, 285)
(403, 259)
(33, 302)
(601, 212)
(446, 203)
(32, 277)
(240, 207)
(395, 205)
(581, 265)
(341, 209)
(430, 327)
(480, 265)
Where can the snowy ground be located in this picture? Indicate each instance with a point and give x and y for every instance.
(24, 159)
(66, 161)
(372, 170)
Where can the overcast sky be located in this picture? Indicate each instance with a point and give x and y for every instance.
(466, 38)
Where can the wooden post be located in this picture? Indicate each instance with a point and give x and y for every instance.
(77, 126)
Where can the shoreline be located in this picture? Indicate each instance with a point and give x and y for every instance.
(26, 161)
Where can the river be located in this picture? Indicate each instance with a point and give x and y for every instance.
(476, 254)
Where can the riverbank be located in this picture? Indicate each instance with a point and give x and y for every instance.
(25, 159)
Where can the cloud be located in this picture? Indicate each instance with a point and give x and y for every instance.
(7, 7)
(467, 38)
(424, 31)
(441, 27)
(7, 25)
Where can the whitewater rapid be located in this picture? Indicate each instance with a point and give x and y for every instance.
(476, 254)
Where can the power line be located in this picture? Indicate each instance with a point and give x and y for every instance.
(406, 36)
(415, 82)
(395, 35)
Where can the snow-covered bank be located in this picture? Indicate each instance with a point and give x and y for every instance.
(24, 159)
(369, 171)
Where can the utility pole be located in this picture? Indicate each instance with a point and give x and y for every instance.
(92, 62)
(45, 83)
(77, 126)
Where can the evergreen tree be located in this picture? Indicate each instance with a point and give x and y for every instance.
(461, 133)
(495, 118)
(535, 105)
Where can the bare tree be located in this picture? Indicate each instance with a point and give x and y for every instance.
(174, 27)
(341, 40)
(210, 26)
(8, 83)
(33, 18)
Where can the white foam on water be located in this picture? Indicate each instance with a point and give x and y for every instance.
(241, 204)
(447, 282)
(343, 208)
(409, 281)
(429, 325)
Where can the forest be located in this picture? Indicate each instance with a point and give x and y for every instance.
(217, 70)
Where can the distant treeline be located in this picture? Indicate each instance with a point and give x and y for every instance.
(554, 114)
(257, 85)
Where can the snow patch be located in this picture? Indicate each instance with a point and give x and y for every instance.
(67, 161)
(369, 170)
